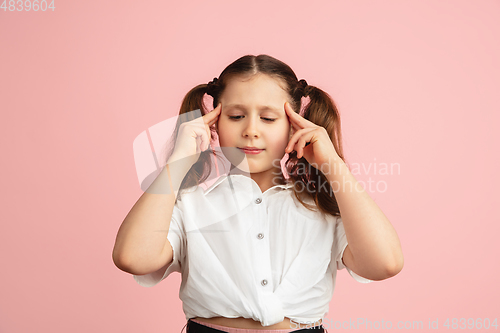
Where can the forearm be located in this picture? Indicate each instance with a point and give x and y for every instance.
(373, 241)
(140, 244)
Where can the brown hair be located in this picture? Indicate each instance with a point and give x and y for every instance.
(321, 110)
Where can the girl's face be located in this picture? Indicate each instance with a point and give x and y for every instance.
(253, 115)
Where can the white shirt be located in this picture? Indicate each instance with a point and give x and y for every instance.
(244, 253)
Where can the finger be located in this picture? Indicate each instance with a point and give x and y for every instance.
(209, 136)
(213, 122)
(212, 115)
(297, 120)
(206, 138)
(302, 143)
(293, 117)
(287, 112)
(293, 140)
(298, 147)
(201, 135)
(209, 129)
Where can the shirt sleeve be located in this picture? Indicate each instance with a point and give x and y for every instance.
(176, 237)
(340, 243)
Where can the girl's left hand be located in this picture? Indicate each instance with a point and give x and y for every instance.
(320, 150)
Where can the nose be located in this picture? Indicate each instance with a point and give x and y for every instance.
(251, 128)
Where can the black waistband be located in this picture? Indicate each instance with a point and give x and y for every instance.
(194, 327)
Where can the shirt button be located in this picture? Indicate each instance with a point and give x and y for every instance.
(260, 236)
(258, 200)
(263, 282)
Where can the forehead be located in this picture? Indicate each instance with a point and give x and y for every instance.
(253, 90)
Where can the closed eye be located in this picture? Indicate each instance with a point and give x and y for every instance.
(238, 117)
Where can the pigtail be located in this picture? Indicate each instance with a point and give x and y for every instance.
(322, 111)
(310, 182)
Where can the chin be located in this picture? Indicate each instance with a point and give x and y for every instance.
(248, 168)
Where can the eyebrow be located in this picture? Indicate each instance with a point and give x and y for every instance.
(263, 108)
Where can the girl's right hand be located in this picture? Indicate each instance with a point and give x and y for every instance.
(194, 137)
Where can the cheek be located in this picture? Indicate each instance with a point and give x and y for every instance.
(225, 132)
(281, 141)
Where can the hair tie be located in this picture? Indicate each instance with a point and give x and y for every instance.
(211, 87)
(302, 86)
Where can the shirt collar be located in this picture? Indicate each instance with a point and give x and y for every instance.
(224, 178)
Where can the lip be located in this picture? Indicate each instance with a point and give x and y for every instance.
(251, 150)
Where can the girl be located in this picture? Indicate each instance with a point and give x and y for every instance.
(259, 249)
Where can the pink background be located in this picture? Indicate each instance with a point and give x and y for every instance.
(416, 83)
